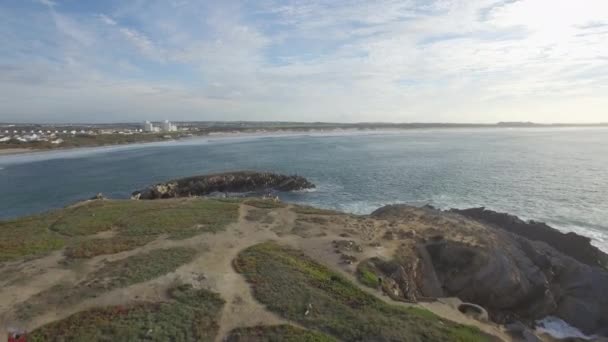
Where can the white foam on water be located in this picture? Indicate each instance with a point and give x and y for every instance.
(306, 190)
(559, 329)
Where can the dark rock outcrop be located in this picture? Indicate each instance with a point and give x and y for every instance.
(574, 245)
(231, 182)
(515, 278)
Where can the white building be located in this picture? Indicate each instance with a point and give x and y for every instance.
(148, 127)
(167, 126)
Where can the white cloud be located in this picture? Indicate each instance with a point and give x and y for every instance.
(48, 3)
(444, 60)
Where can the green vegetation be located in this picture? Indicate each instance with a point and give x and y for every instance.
(132, 220)
(299, 289)
(366, 275)
(140, 267)
(186, 219)
(265, 203)
(121, 273)
(94, 247)
(191, 315)
(306, 210)
(277, 333)
(28, 236)
(177, 217)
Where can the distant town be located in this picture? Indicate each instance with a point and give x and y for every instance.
(15, 137)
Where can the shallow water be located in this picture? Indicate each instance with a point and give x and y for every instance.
(555, 175)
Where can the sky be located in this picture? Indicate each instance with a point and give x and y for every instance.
(320, 60)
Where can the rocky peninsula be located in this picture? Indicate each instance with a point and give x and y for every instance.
(229, 182)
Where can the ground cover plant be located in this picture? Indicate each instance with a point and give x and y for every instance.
(190, 315)
(121, 273)
(277, 333)
(93, 247)
(306, 210)
(28, 237)
(304, 291)
(178, 218)
(264, 203)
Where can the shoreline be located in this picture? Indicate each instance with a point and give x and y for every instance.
(288, 133)
(12, 151)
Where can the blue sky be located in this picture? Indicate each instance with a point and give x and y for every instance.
(334, 60)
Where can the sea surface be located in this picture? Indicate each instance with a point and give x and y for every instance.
(559, 176)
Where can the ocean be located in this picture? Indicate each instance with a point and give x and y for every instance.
(555, 175)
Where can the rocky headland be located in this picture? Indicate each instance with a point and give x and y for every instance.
(505, 265)
(245, 267)
(229, 182)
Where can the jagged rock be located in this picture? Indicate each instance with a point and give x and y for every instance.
(237, 182)
(513, 277)
(574, 245)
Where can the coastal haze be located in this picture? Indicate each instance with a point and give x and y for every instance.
(557, 175)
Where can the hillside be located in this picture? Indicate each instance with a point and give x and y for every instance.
(231, 269)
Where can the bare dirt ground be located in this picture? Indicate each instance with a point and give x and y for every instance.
(212, 268)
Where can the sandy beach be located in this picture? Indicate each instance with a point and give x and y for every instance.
(14, 151)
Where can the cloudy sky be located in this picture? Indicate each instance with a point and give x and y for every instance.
(333, 60)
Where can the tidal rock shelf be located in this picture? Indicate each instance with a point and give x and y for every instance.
(229, 182)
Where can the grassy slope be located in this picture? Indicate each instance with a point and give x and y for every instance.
(191, 315)
(136, 223)
(285, 280)
(291, 284)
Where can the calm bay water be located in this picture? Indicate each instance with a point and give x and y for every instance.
(555, 175)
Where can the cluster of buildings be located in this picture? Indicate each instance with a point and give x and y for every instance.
(56, 135)
(25, 136)
(165, 126)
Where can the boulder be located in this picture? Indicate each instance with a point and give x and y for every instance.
(230, 182)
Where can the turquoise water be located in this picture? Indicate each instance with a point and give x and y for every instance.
(555, 175)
